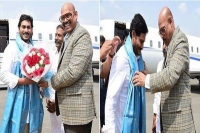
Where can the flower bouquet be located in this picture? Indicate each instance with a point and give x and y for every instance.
(36, 64)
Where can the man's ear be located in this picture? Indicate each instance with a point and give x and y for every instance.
(133, 34)
(76, 14)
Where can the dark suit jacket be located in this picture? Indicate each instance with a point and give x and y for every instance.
(173, 81)
(74, 80)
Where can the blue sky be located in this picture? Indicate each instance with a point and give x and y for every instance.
(49, 10)
(186, 14)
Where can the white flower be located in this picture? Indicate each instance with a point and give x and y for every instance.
(42, 57)
(37, 66)
(33, 52)
(30, 54)
(41, 61)
(38, 54)
(32, 69)
(28, 69)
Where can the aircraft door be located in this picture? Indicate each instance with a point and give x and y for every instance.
(4, 35)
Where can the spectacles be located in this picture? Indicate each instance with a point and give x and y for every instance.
(163, 30)
(65, 17)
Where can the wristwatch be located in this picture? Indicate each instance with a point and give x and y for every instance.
(111, 56)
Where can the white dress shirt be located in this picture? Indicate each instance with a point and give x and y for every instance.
(10, 56)
(117, 92)
(156, 104)
(56, 122)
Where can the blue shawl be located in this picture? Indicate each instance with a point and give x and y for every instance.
(18, 106)
(134, 118)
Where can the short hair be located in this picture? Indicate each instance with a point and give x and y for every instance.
(139, 25)
(102, 39)
(61, 27)
(27, 18)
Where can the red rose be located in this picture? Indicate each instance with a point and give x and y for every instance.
(42, 51)
(46, 61)
(41, 70)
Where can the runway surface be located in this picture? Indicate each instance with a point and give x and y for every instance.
(149, 103)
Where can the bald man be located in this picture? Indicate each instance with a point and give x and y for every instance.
(73, 81)
(173, 80)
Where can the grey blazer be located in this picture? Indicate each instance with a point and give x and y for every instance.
(74, 81)
(173, 81)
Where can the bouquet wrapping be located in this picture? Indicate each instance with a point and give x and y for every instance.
(36, 64)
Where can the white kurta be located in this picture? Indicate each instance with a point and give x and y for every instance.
(117, 92)
(156, 104)
(56, 123)
(11, 55)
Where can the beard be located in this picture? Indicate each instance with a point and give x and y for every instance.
(58, 41)
(26, 39)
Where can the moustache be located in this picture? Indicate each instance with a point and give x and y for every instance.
(66, 22)
(58, 41)
(26, 33)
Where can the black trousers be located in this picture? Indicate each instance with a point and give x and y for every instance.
(78, 128)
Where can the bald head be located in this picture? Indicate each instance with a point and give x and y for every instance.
(164, 15)
(68, 17)
(68, 6)
(166, 25)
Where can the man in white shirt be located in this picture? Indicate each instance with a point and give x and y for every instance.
(157, 96)
(23, 110)
(105, 69)
(56, 123)
(120, 76)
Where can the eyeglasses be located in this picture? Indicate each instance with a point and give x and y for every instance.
(65, 17)
(163, 30)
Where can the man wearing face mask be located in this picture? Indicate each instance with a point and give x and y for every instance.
(56, 123)
(23, 112)
(73, 81)
(173, 80)
(127, 60)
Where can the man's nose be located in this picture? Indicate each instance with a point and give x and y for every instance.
(56, 37)
(142, 46)
(26, 29)
(161, 35)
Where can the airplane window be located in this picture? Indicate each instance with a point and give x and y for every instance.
(192, 49)
(159, 44)
(151, 43)
(197, 50)
(101, 28)
(50, 36)
(40, 36)
(95, 38)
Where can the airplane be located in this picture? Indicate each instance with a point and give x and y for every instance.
(152, 51)
(44, 31)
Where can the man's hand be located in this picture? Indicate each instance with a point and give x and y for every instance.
(51, 106)
(145, 71)
(43, 84)
(25, 81)
(154, 124)
(106, 47)
(116, 41)
(109, 46)
(139, 79)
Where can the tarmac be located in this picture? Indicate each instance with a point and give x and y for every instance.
(195, 94)
(46, 127)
